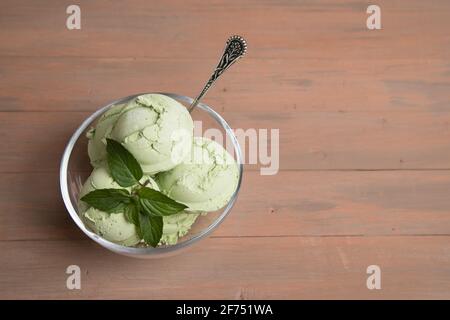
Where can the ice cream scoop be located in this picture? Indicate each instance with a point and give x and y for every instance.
(155, 128)
(115, 227)
(205, 181)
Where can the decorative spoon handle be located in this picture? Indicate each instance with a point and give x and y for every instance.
(235, 48)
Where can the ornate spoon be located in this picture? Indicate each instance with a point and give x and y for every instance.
(235, 48)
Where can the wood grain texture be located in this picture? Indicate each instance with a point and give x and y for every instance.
(391, 203)
(364, 119)
(236, 268)
(287, 30)
(308, 141)
(270, 85)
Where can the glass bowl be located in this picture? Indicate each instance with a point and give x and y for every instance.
(75, 169)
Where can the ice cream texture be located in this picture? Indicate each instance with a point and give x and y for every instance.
(155, 128)
(115, 227)
(205, 181)
(177, 226)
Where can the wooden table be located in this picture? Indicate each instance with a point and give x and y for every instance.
(364, 119)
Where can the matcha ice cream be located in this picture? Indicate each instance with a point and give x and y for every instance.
(205, 181)
(155, 128)
(158, 132)
(100, 178)
(115, 227)
(177, 226)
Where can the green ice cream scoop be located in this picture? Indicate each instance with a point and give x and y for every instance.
(155, 128)
(115, 227)
(176, 226)
(205, 181)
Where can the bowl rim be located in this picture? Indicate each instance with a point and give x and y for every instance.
(145, 251)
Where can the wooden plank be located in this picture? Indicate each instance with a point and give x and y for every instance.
(344, 99)
(319, 29)
(237, 268)
(290, 204)
(271, 86)
(34, 141)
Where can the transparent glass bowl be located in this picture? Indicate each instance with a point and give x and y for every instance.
(75, 169)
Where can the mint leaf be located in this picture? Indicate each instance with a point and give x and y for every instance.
(151, 228)
(108, 200)
(124, 168)
(154, 203)
(132, 213)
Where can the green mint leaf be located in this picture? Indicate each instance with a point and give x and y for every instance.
(124, 168)
(154, 203)
(132, 213)
(108, 200)
(151, 228)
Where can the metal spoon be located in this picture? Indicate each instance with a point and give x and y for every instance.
(235, 48)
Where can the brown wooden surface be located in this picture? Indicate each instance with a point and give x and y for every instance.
(364, 119)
